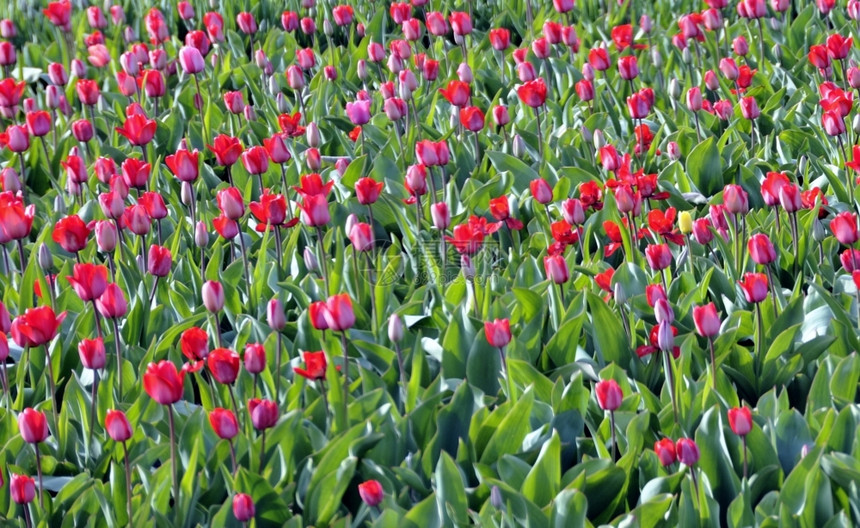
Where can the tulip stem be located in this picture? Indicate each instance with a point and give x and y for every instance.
(278, 247)
(39, 472)
(93, 409)
(539, 135)
(127, 482)
(262, 452)
(233, 456)
(744, 438)
(21, 262)
(96, 316)
(759, 342)
(200, 111)
(670, 379)
(173, 460)
(235, 405)
(343, 344)
(151, 292)
(118, 357)
(713, 362)
(323, 259)
(278, 359)
(53, 390)
(27, 520)
(245, 262)
(402, 383)
(612, 429)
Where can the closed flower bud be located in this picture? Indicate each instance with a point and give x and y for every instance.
(313, 135)
(46, 261)
(275, 315)
(395, 328)
(213, 296)
(310, 259)
(685, 222)
(674, 88)
(598, 139)
(519, 146)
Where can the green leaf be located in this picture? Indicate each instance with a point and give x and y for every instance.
(704, 167)
(450, 492)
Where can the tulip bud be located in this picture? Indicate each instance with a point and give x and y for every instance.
(311, 262)
(464, 72)
(213, 296)
(496, 499)
(250, 113)
(656, 58)
(46, 260)
(201, 236)
(685, 222)
(687, 56)
(468, 267)
(328, 30)
(588, 72)
(855, 123)
(802, 163)
(665, 338)
(674, 89)
(663, 311)
(361, 69)
(274, 87)
(598, 139)
(313, 134)
(78, 68)
(341, 165)
(281, 102)
(186, 193)
(673, 151)
(9, 180)
(519, 146)
(586, 134)
(275, 315)
(395, 328)
(818, 231)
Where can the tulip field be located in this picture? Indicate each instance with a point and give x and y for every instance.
(430, 263)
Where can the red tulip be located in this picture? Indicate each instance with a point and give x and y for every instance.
(92, 353)
(371, 492)
(152, 82)
(213, 296)
(498, 332)
(256, 160)
(184, 164)
(275, 315)
(343, 15)
(36, 327)
(838, 46)
(117, 426)
(789, 198)
(659, 256)
(533, 93)
(472, 118)
(11, 92)
(112, 303)
(271, 210)
(316, 314)
(740, 420)
(243, 504)
(665, 450)
(16, 220)
(163, 382)
(76, 169)
(138, 129)
(460, 23)
(88, 91)
(226, 149)
(541, 191)
(707, 320)
(246, 22)
(735, 199)
(314, 211)
(500, 39)
(367, 190)
(638, 105)
(16, 138)
(264, 413)
(598, 58)
(224, 423)
(21, 487)
(761, 249)
(136, 218)
(833, 123)
(231, 203)
(224, 365)
(754, 286)
(33, 426)
(687, 450)
(749, 107)
(39, 123)
(255, 358)
(609, 395)
(361, 236)
(338, 314)
(159, 261)
(628, 67)
(88, 280)
(194, 343)
(277, 149)
(315, 363)
(457, 93)
(844, 227)
(234, 102)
